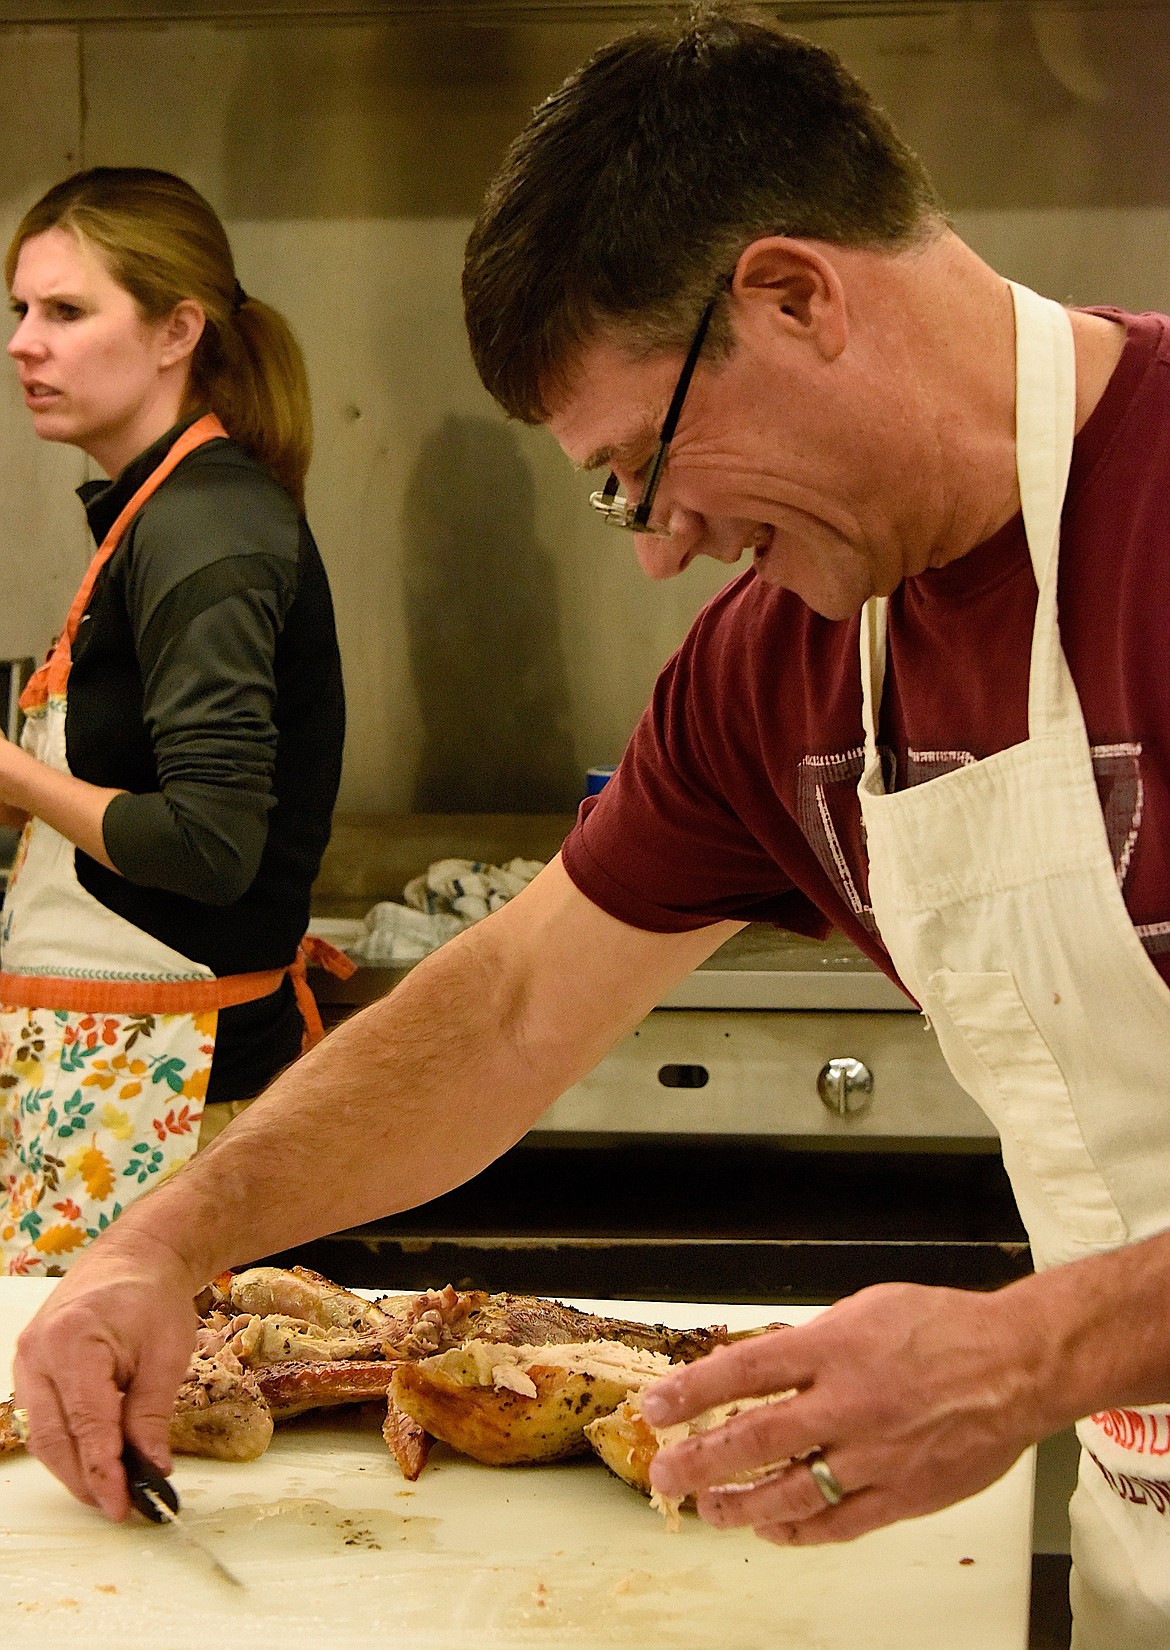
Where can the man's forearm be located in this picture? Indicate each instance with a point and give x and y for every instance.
(426, 1087)
(407, 1099)
(404, 1101)
(1103, 1325)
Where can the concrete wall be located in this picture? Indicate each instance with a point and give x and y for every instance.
(497, 641)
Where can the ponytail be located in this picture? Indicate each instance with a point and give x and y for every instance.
(163, 242)
(250, 372)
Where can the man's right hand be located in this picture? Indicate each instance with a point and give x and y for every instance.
(102, 1362)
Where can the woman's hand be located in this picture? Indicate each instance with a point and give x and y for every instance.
(69, 805)
(11, 816)
(915, 1397)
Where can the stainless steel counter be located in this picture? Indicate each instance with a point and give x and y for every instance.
(763, 967)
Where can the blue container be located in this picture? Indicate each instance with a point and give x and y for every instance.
(595, 778)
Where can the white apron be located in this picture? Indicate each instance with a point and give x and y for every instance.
(995, 893)
(106, 1034)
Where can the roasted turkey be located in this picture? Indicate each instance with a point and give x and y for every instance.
(504, 1378)
(627, 1443)
(512, 1405)
(10, 1439)
(220, 1411)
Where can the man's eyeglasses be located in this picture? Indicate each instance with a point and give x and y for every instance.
(616, 510)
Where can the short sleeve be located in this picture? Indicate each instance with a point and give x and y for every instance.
(661, 847)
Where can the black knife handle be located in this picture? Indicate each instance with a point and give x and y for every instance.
(147, 1485)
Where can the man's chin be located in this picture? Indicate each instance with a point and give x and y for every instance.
(836, 606)
(834, 603)
(835, 612)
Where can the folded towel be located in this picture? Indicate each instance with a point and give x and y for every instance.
(396, 934)
(447, 898)
(469, 887)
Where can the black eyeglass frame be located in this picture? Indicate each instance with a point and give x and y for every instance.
(614, 508)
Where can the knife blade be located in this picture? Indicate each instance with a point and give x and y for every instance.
(156, 1498)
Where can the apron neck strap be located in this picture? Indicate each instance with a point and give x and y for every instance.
(1046, 399)
(873, 670)
(1046, 384)
(207, 428)
(53, 676)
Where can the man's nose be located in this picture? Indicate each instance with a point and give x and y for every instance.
(690, 535)
(664, 557)
(659, 557)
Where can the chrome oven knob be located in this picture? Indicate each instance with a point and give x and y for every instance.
(846, 1087)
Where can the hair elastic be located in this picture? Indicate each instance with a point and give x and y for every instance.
(239, 299)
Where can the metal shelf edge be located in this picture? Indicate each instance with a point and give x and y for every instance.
(786, 989)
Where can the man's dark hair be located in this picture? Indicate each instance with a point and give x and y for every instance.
(633, 190)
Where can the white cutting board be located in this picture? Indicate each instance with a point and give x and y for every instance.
(339, 1553)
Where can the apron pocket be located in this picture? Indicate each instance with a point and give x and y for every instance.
(1023, 1091)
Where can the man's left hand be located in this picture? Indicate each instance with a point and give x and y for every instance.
(914, 1397)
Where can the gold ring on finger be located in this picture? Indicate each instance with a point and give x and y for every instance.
(20, 1424)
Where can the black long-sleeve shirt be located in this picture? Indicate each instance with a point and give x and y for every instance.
(206, 684)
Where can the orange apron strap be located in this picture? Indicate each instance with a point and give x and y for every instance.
(181, 996)
(53, 675)
(313, 949)
(137, 996)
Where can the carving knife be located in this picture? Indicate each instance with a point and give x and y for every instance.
(155, 1498)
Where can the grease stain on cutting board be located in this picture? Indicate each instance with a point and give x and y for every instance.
(602, 1605)
(299, 1529)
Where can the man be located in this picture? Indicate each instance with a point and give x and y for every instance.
(711, 266)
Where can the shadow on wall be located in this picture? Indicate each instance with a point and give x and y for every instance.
(484, 638)
(1009, 106)
(1024, 106)
(371, 120)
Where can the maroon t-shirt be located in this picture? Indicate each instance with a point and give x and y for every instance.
(737, 795)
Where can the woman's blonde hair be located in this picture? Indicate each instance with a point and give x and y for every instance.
(162, 242)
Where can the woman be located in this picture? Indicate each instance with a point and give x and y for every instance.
(182, 747)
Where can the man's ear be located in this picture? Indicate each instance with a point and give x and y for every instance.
(792, 285)
(182, 330)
